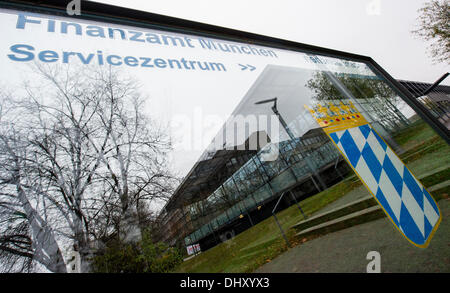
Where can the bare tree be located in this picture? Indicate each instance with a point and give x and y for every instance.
(25, 234)
(136, 153)
(99, 157)
(434, 26)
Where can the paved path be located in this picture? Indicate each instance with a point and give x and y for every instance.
(346, 250)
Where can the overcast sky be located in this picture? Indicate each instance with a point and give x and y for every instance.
(380, 29)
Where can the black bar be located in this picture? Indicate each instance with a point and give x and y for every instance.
(121, 15)
(413, 103)
(434, 85)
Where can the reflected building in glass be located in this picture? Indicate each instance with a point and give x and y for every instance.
(234, 187)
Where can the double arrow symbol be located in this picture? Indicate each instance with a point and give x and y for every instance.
(244, 67)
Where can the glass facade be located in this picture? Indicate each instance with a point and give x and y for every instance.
(258, 181)
(303, 150)
(269, 92)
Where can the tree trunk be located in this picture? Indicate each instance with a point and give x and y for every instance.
(130, 230)
(46, 249)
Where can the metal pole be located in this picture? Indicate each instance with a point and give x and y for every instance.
(306, 158)
(337, 169)
(250, 218)
(434, 85)
(298, 205)
(282, 232)
(276, 220)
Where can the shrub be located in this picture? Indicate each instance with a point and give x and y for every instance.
(142, 257)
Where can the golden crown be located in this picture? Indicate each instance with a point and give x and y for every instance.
(342, 114)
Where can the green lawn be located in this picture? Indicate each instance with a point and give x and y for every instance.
(424, 150)
(261, 243)
(426, 155)
(417, 133)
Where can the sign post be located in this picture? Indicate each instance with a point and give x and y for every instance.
(403, 198)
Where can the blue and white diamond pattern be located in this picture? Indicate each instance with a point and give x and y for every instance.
(402, 196)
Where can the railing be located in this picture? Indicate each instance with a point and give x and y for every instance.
(289, 176)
